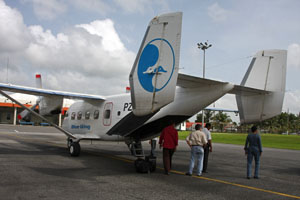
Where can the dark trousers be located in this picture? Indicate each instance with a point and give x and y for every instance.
(167, 158)
(205, 159)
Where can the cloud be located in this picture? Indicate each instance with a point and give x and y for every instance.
(97, 6)
(47, 10)
(292, 102)
(141, 6)
(217, 13)
(104, 29)
(294, 55)
(14, 35)
(51, 9)
(89, 58)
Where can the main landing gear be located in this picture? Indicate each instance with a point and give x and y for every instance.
(143, 164)
(74, 147)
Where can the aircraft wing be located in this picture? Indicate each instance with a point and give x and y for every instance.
(187, 81)
(45, 92)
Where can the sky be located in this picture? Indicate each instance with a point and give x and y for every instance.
(89, 46)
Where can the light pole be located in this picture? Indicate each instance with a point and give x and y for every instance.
(203, 47)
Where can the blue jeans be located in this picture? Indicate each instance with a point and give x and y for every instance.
(197, 152)
(253, 152)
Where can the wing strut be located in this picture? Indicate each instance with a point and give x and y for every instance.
(68, 134)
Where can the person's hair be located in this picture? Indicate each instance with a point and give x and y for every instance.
(253, 129)
(198, 126)
(207, 125)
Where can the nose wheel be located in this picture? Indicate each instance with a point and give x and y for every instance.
(74, 148)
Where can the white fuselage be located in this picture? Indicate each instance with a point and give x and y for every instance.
(93, 120)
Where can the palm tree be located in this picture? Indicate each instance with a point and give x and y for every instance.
(207, 116)
(220, 120)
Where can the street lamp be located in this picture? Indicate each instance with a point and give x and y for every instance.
(203, 47)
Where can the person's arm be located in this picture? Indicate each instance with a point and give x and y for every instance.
(161, 138)
(246, 145)
(210, 145)
(188, 140)
(209, 142)
(204, 140)
(259, 145)
(176, 139)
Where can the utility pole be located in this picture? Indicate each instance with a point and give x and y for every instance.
(203, 46)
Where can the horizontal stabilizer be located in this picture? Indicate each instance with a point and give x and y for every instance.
(187, 81)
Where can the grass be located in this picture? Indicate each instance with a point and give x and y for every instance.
(268, 140)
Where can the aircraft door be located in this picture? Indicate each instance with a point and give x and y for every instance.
(107, 113)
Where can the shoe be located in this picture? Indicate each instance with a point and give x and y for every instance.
(204, 171)
(248, 177)
(256, 177)
(188, 174)
(167, 173)
(199, 174)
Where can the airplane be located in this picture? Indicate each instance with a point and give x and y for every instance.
(160, 95)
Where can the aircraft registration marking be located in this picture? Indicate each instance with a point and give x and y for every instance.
(127, 106)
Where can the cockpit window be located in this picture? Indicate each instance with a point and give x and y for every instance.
(79, 115)
(73, 115)
(96, 114)
(107, 114)
(87, 115)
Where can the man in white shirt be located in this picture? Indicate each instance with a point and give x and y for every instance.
(208, 147)
(196, 140)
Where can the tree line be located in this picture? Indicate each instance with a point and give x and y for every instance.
(285, 122)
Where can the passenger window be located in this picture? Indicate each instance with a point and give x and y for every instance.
(73, 115)
(107, 114)
(79, 115)
(87, 115)
(96, 114)
(119, 113)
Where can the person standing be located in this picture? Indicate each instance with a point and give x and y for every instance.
(253, 148)
(196, 140)
(169, 141)
(208, 147)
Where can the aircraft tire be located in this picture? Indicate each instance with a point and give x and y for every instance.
(141, 166)
(74, 149)
(152, 166)
(151, 160)
(69, 142)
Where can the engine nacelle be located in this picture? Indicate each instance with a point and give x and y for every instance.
(50, 105)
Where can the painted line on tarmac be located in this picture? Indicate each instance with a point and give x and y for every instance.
(238, 185)
(204, 178)
(175, 172)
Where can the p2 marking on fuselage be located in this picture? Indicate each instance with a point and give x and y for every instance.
(128, 107)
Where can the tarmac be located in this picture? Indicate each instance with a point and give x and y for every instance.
(35, 164)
